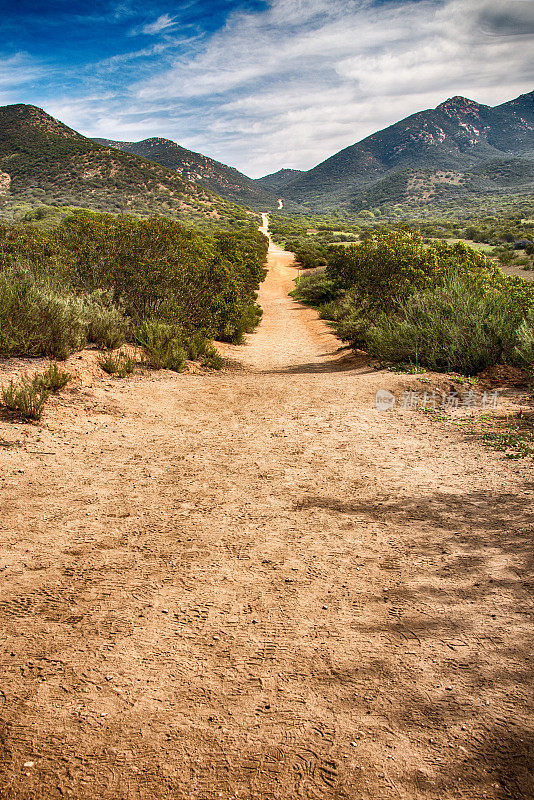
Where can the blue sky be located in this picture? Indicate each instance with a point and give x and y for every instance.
(259, 84)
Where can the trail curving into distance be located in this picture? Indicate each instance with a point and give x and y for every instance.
(252, 584)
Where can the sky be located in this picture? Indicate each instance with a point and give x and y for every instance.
(259, 84)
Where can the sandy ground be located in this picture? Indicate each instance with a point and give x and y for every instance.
(253, 584)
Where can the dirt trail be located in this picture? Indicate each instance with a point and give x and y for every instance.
(254, 585)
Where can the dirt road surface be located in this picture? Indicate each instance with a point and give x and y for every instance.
(252, 584)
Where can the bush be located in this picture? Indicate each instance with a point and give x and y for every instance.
(450, 328)
(162, 344)
(234, 330)
(53, 378)
(317, 289)
(391, 265)
(195, 345)
(86, 278)
(120, 364)
(523, 354)
(444, 306)
(37, 321)
(106, 323)
(25, 399)
(212, 359)
(159, 269)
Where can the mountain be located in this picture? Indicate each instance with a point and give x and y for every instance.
(276, 181)
(219, 178)
(42, 161)
(456, 136)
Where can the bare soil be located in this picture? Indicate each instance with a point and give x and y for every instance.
(252, 584)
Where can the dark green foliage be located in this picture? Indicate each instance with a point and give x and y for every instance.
(442, 306)
(159, 268)
(277, 182)
(24, 399)
(308, 254)
(316, 289)
(84, 280)
(53, 378)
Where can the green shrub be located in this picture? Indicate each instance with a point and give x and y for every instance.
(120, 364)
(162, 344)
(162, 270)
(25, 399)
(391, 265)
(235, 329)
(212, 359)
(53, 378)
(195, 345)
(106, 323)
(443, 306)
(523, 354)
(85, 278)
(351, 319)
(36, 320)
(317, 289)
(452, 327)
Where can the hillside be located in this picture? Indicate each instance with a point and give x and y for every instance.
(42, 161)
(219, 178)
(456, 137)
(277, 181)
(490, 179)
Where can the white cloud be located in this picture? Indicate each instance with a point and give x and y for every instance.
(17, 70)
(162, 23)
(291, 85)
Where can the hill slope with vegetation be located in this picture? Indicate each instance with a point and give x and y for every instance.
(42, 161)
(220, 178)
(277, 181)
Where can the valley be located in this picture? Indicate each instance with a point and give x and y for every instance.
(266, 451)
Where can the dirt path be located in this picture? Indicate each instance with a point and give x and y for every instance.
(254, 585)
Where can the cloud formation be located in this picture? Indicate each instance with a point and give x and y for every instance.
(162, 23)
(303, 79)
(289, 82)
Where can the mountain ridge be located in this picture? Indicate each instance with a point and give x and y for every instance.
(42, 160)
(276, 181)
(220, 178)
(458, 134)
